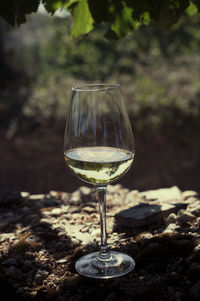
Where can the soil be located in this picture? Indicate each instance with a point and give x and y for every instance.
(42, 236)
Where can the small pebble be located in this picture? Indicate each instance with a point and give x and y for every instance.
(89, 209)
(40, 276)
(56, 211)
(184, 216)
(62, 260)
(75, 198)
(171, 219)
(171, 228)
(85, 190)
(189, 193)
(32, 238)
(25, 194)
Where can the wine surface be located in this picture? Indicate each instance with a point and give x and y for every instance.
(99, 164)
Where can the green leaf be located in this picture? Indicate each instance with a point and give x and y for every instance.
(51, 5)
(191, 9)
(83, 21)
(124, 22)
(146, 18)
(120, 16)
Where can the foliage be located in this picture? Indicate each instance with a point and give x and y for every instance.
(119, 17)
(154, 69)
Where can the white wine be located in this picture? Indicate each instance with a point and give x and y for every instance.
(99, 164)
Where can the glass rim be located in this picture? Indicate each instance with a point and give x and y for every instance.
(95, 87)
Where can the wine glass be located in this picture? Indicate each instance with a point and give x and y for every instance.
(99, 149)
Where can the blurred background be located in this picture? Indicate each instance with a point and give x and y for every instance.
(159, 73)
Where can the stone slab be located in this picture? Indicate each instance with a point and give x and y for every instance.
(145, 214)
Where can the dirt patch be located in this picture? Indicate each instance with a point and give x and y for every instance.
(35, 162)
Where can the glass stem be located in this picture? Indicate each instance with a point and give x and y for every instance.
(104, 253)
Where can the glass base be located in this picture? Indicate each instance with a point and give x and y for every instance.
(93, 266)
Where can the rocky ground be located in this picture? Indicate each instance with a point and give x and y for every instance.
(43, 235)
